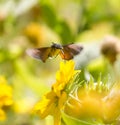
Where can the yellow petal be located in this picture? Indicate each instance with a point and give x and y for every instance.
(46, 106)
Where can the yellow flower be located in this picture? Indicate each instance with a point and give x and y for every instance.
(91, 103)
(5, 96)
(63, 76)
(51, 105)
(34, 32)
(54, 101)
(85, 105)
(111, 105)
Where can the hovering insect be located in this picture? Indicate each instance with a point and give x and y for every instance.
(66, 52)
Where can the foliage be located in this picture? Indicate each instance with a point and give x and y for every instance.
(37, 23)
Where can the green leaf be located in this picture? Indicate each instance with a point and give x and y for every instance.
(49, 15)
(59, 26)
(68, 120)
(65, 33)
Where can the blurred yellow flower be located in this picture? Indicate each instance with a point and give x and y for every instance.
(111, 105)
(91, 103)
(34, 32)
(86, 104)
(21, 105)
(5, 96)
(2, 115)
(54, 101)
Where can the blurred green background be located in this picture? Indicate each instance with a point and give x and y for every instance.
(36, 23)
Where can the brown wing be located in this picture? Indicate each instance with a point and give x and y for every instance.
(69, 51)
(39, 53)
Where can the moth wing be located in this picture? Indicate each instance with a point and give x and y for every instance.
(70, 50)
(39, 53)
(73, 48)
